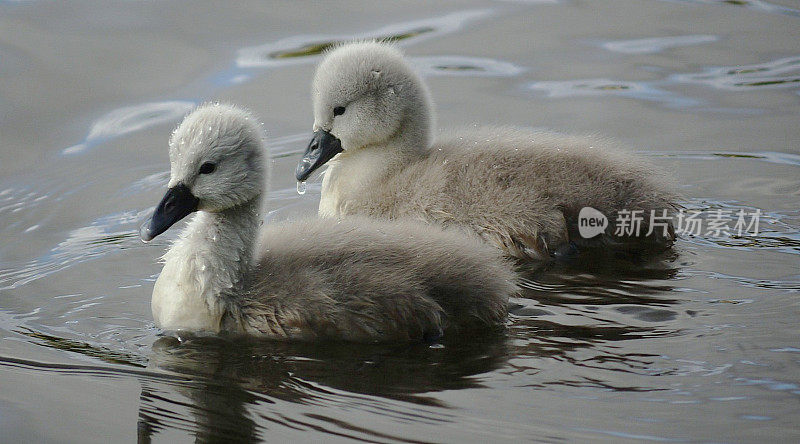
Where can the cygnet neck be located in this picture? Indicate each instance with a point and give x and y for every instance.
(227, 238)
(238, 224)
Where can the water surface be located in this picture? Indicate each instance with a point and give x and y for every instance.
(698, 346)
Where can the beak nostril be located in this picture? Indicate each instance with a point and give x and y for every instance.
(322, 148)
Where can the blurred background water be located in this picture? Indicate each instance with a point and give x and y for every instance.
(700, 346)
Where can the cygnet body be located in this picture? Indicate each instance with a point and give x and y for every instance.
(520, 190)
(359, 280)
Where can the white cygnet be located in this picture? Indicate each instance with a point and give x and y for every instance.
(520, 190)
(359, 280)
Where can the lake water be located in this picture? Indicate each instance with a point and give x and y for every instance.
(700, 346)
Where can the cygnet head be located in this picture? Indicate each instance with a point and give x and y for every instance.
(366, 94)
(215, 164)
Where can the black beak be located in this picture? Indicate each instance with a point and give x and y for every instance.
(178, 203)
(321, 149)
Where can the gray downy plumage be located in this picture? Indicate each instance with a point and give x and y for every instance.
(518, 189)
(359, 280)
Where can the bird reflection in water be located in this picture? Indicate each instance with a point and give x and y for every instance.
(228, 381)
(228, 376)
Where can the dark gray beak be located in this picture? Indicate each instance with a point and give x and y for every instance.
(321, 149)
(178, 203)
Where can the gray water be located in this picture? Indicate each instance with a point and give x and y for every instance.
(699, 346)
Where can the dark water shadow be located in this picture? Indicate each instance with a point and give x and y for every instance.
(580, 313)
(231, 375)
(602, 279)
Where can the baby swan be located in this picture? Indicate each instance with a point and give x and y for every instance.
(521, 191)
(356, 280)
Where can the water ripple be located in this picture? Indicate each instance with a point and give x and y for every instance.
(465, 66)
(781, 73)
(777, 230)
(606, 87)
(656, 44)
(126, 120)
(763, 156)
(104, 235)
(298, 49)
(14, 200)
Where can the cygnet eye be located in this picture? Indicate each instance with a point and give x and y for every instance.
(207, 168)
(338, 111)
